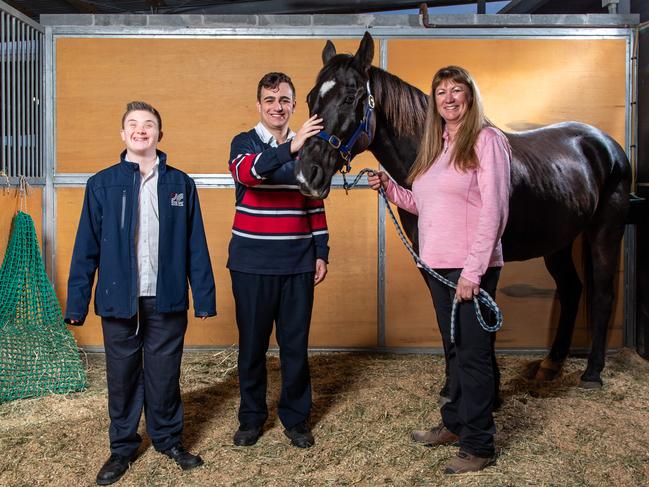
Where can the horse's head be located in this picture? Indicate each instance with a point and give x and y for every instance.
(342, 98)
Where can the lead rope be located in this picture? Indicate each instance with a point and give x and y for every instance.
(483, 297)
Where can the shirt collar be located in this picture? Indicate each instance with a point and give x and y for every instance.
(154, 169)
(268, 138)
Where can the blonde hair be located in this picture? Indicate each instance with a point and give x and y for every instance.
(432, 143)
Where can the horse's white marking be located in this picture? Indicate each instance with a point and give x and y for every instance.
(300, 177)
(326, 86)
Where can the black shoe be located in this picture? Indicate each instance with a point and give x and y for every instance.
(247, 435)
(183, 458)
(300, 435)
(113, 469)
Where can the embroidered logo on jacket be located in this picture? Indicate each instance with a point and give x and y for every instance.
(177, 199)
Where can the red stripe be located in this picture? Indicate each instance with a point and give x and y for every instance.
(281, 225)
(244, 170)
(288, 200)
(318, 221)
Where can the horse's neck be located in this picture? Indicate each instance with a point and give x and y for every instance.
(396, 153)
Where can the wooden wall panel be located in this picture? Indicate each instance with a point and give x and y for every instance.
(524, 84)
(345, 306)
(68, 211)
(345, 310)
(528, 83)
(205, 90)
(10, 204)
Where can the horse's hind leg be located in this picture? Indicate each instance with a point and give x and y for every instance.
(569, 287)
(605, 253)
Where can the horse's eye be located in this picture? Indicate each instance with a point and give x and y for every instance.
(349, 99)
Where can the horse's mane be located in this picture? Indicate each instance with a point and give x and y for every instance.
(403, 104)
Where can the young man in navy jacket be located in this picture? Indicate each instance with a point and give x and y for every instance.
(141, 228)
(277, 254)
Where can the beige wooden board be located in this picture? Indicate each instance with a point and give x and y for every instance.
(345, 306)
(10, 203)
(524, 84)
(205, 90)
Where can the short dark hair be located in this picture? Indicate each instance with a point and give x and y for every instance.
(271, 81)
(142, 105)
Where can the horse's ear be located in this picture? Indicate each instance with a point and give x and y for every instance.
(365, 53)
(328, 52)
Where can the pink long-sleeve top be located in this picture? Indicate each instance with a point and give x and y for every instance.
(462, 215)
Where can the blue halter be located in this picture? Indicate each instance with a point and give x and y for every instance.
(345, 150)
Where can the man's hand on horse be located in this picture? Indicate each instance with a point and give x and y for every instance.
(320, 271)
(309, 129)
(377, 180)
(466, 290)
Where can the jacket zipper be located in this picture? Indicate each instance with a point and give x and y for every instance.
(131, 241)
(123, 208)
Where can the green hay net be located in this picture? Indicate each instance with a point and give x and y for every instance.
(38, 354)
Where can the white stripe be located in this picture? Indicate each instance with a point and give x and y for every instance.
(270, 212)
(236, 166)
(252, 169)
(316, 210)
(320, 232)
(326, 86)
(277, 186)
(271, 237)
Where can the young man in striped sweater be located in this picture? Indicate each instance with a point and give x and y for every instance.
(277, 254)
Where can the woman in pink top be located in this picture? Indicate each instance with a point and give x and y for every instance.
(460, 192)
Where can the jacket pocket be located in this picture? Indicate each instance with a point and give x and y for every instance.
(123, 215)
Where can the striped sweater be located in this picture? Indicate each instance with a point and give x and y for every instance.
(276, 229)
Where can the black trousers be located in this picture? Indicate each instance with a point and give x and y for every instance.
(286, 300)
(143, 372)
(471, 362)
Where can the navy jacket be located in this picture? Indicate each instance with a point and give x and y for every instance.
(106, 241)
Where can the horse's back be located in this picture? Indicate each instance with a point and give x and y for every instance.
(561, 175)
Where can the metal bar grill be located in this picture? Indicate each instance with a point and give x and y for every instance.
(21, 151)
(3, 92)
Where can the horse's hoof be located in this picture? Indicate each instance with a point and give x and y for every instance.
(547, 370)
(590, 384)
(443, 400)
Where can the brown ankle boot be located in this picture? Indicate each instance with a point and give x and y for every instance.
(465, 462)
(439, 435)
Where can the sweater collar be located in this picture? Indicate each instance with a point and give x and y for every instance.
(268, 138)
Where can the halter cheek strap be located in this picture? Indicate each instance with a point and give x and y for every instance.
(345, 149)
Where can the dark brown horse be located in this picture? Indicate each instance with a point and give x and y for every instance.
(567, 179)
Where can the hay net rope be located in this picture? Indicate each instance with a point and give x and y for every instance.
(38, 354)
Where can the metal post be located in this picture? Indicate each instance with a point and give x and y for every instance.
(21, 100)
(48, 148)
(3, 91)
(381, 241)
(12, 88)
(30, 101)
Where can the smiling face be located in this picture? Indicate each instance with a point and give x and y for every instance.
(452, 101)
(141, 133)
(276, 105)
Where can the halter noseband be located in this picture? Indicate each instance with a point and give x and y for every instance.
(345, 150)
